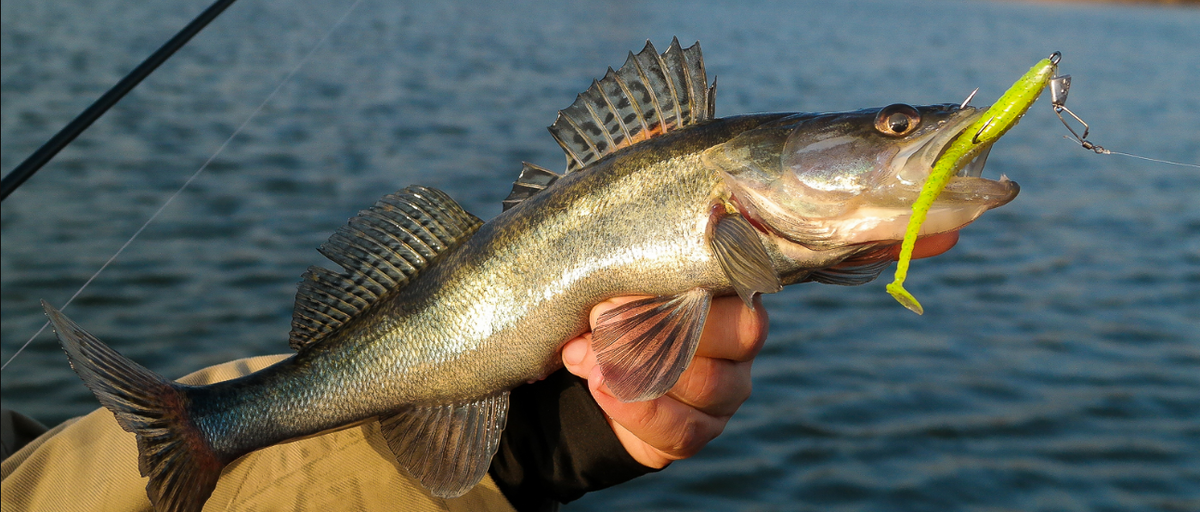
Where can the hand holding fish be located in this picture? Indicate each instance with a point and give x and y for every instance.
(677, 425)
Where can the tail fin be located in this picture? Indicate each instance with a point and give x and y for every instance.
(182, 467)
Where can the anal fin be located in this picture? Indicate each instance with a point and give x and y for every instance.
(645, 345)
(449, 447)
(742, 256)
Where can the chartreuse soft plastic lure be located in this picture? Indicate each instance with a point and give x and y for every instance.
(998, 119)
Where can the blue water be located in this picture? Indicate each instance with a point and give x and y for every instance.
(1057, 366)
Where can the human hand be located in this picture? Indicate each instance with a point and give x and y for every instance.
(678, 424)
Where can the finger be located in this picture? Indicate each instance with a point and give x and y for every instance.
(717, 387)
(578, 357)
(732, 330)
(672, 430)
(602, 307)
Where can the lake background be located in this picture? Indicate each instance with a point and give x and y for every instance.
(1057, 366)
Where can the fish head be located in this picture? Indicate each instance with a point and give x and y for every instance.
(848, 180)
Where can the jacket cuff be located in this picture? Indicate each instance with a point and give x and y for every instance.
(558, 446)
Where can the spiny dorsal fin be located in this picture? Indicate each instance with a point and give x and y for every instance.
(650, 95)
(533, 179)
(380, 250)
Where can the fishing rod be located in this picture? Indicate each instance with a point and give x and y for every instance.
(286, 79)
(85, 119)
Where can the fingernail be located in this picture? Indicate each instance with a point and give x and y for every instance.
(574, 353)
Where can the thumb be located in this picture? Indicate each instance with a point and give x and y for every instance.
(578, 357)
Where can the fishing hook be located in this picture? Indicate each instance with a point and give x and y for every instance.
(975, 138)
(968, 100)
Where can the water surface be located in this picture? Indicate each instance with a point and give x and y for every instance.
(1057, 366)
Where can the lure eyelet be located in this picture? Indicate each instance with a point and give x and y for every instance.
(897, 120)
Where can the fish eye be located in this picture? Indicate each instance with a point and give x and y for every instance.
(897, 120)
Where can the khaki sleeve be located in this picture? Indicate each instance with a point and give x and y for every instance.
(90, 463)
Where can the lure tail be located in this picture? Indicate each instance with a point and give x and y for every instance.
(173, 452)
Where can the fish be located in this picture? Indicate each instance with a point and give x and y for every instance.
(436, 315)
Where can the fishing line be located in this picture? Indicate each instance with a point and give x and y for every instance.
(1182, 164)
(1101, 150)
(196, 174)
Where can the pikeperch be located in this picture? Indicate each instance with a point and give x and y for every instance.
(437, 315)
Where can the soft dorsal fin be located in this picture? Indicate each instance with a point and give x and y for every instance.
(380, 250)
(650, 95)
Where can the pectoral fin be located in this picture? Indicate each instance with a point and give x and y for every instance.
(742, 256)
(448, 448)
(643, 346)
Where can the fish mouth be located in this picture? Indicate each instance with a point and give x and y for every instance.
(942, 140)
(880, 211)
(968, 186)
(966, 196)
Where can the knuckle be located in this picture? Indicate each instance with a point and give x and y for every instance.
(718, 386)
(737, 389)
(738, 392)
(752, 331)
(704, 383)
(694, 434)
(706, 387)
(647, 415)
